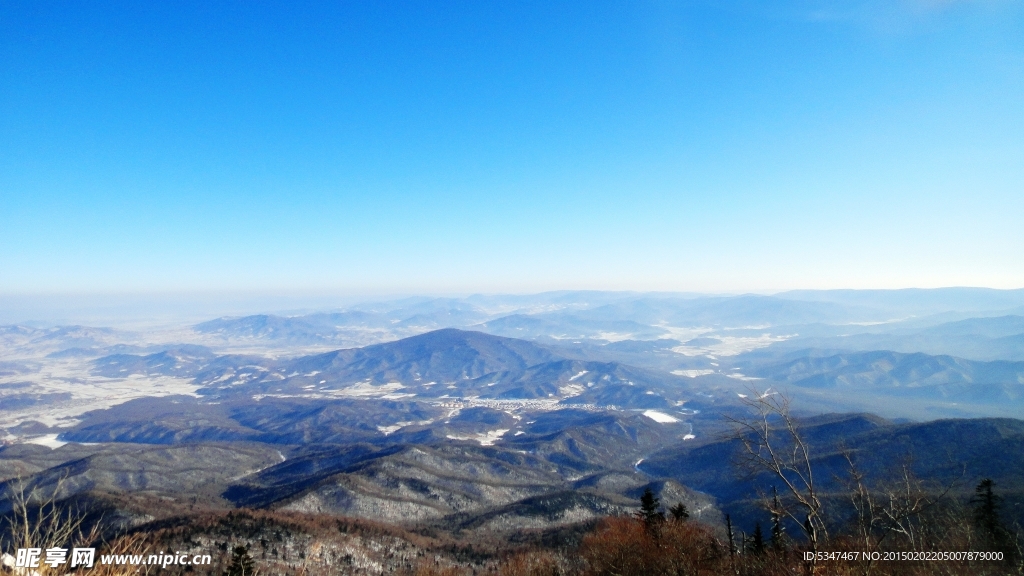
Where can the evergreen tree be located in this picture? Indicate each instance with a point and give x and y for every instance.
(649, 508)
(241, 563)
(987, 504)
(757, 541)
(679, 512)
(986, 516)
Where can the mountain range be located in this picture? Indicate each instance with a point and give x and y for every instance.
(494, 415)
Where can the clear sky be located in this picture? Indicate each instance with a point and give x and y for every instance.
(510, 146)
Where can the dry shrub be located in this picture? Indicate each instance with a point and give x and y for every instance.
(532, 563)
(630, 546)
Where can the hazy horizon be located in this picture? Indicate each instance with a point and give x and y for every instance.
(144, 309)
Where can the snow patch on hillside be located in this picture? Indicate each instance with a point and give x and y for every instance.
(485, 439)
(692, 373)
(660, 417)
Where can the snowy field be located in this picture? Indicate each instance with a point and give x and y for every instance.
(65, 390)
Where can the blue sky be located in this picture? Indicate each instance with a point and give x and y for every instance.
(368, 147)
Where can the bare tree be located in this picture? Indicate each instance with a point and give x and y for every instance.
(772, 443)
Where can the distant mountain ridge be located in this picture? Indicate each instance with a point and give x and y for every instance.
(309, 329)
(917, 300)
(446, 354)
(885, 372)
(181, 361)
(467, 364)
(464, 364)
(982, 339)
(631, 315)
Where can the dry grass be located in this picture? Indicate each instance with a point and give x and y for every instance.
(39, 520)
